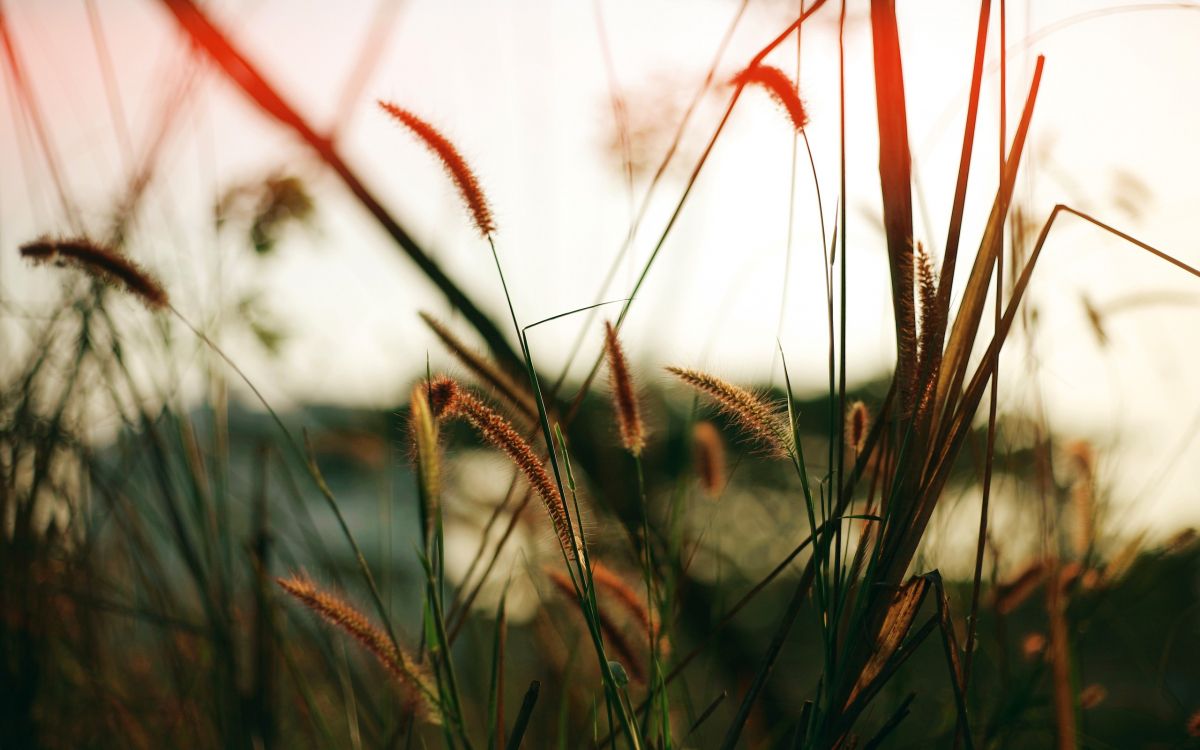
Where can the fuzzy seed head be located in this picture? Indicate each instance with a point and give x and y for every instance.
(427, 457)
(1092, 695)
(757, 417)
(443, 396)
(450, 401)
(614, 636)
(1033, 645)
(606, 578)
(781, 88)
(512, 393)
(103, 263)
(709, 450)
(1193, 725)
(625, 403)
(456, 166)
(341, 615)
(858, 423)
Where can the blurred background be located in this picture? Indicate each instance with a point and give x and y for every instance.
(534, 94)
(117, 127)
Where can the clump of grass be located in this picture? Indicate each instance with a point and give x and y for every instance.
(101, 262)
(456, 166)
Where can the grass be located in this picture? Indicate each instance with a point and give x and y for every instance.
(138, 605)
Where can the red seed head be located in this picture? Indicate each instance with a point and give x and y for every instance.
(456, 166)
(781, 88)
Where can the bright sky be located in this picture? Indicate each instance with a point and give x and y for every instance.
(522, 88)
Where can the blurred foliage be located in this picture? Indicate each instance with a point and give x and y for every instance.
(265, 207)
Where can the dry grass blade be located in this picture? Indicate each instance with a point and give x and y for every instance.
(900, 616)
(895, 181)
(960, 424)
(899, 546)
(970, 310)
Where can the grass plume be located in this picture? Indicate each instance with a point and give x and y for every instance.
(709, 453)
(756, 416)
(781, 89)
(487, 371)
(629, 417)
(858, 422)
(456, 166)
(341, 615)
(614, 636)
(101, 262)
(449, 400)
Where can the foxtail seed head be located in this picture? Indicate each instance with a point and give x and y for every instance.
(338, 613)
(781, 88)
(427, 457)
(456, 166)
(103, 263)
(755, 415)
(709, 451)
(484, 369)
(858, 422)
(629, 418)
(450, 401)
